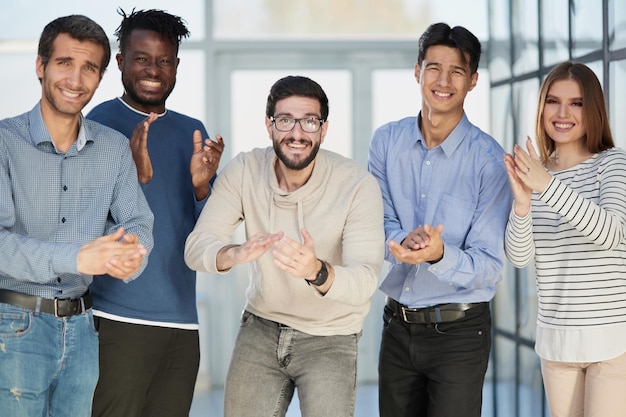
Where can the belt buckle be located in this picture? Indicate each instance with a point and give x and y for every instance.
(56, 308)
(404, 317)
(71, 310)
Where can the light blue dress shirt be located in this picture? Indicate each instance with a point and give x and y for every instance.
(461, 184)
(52, 203)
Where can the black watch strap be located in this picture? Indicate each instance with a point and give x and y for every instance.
(321, 277)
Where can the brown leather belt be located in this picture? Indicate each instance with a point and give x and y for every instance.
(440, 313)
(60, 307)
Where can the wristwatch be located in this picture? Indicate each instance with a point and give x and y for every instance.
(321, 277)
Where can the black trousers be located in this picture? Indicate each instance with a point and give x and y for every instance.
(434, 370)
(145, 371)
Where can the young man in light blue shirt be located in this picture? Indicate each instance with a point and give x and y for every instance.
(446, 198)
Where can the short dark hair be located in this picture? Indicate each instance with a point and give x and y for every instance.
(295, 85)
(171, 28)
(457, 37)
(598, 136)
(77, 27)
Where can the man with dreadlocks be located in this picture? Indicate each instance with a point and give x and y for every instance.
(149, 344)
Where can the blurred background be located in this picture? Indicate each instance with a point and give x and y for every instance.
(363, 53)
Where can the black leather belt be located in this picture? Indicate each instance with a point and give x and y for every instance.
(60, 307)
(440, 313)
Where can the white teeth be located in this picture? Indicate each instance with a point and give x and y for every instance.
(150, 83)
(563, 125)
(69, 94)
(443, 95)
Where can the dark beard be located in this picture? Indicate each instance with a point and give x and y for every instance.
(296, 165)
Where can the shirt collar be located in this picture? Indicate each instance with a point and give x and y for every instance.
(39, 131)
(454, 139)
(137, 111)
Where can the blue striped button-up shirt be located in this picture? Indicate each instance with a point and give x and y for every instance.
(52, 203)
(461, 184)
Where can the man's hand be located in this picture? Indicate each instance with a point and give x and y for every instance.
(300, 261)
(139, 148)
(117, 254)
(421, 245)
(296, 258)
(251, 250)
(204, 162)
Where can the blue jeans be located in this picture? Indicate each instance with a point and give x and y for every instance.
(48, 365)
(434, 370)
(270, 360)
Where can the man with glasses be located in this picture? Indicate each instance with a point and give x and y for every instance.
(314, 228)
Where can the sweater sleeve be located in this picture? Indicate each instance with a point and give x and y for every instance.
(220, 217)
(603, 223)
(519, 245)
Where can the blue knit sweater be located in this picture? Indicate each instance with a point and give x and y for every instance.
(165, 293)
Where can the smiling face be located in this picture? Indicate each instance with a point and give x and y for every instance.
(296, 149)
(148, 69)
(71, 76)
(444, 81)
(563, 112)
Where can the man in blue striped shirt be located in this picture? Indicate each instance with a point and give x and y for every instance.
(446, 198)
(70, 208)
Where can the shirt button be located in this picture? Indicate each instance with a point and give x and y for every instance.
(65, 188)
(63, 220)
(59, 280)
(427, 162)
(407, 289)
(422, 195)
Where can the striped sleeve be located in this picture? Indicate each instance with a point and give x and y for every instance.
(602, 223)
(518, 243)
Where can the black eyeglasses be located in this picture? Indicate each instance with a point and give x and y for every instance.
(286, 124)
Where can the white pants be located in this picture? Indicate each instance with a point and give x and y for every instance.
(596, 389)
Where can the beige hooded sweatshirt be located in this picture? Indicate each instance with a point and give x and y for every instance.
(340, 206)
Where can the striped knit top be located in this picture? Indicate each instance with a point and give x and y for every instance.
(576, 234)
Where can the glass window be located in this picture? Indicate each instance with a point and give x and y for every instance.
(19, 85)
(395, 95)
(617, 24)
(502, 116)
(505, 301)
(249, 98)
(21, 20)
(499, 41)
(527, 320)
(525, 37)
(586, 26)
(618, 102)
(555, 31)
(505, 353)
(346, 19)
(531, 384)
(525, 95)
(596, 67)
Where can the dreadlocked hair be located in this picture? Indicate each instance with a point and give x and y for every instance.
(170, 27)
